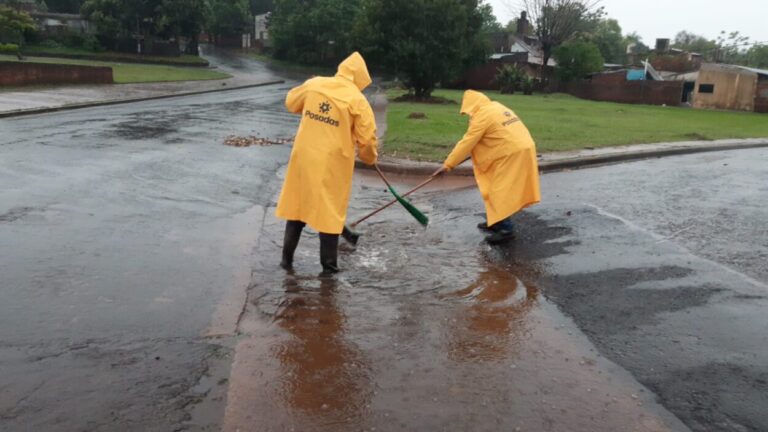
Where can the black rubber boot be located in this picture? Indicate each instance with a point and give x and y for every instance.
(350, 236)
(502, 232)
(483, 226)
(290, 242)
(329, 252)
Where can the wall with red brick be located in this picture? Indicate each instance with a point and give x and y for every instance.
(23, 73)
(610, 78)
(631, 92)
(483, 77)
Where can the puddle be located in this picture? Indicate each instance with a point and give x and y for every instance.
(425, 329)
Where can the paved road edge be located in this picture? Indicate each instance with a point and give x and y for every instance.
(425, 169)
(33, 111)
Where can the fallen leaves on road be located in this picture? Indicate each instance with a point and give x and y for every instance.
(247, 141)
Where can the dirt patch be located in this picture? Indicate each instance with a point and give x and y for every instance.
(436, 100)
(417, 116)
(247, 141)
(697, 136)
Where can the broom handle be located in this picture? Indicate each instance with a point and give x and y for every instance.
(381, 174)
(393, 202)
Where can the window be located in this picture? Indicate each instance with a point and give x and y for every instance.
(706, 88)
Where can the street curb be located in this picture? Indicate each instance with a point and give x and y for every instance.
(19, 113)
(426, 169)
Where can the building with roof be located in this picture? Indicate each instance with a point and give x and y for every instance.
(58, 23)
(731, 87)
(519, 48)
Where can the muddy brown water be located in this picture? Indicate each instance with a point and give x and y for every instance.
(425, 329)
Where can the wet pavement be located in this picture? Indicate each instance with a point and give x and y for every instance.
(126, 239)
(243, 73)
(140, 290)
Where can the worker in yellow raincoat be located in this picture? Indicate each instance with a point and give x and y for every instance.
(504, 161)
(335, 120)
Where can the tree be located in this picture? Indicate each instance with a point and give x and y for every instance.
(577, 59)
(64, 6)
(609, 40)
(691, 42)
(117, 21)
(229, 17)
(557, 21)
(423, 42)
(757, 56)
(259, 7)
(313, 31)
(186, 18)
(13, 25)
(19, 4)
(635, 47)
(730, 47)
(490, 23)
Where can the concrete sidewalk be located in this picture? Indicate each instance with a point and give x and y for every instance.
(30, 100)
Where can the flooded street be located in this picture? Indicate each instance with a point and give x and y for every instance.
(424, 330)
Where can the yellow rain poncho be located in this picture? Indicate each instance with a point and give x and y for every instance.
(503, 155)
(336, 118)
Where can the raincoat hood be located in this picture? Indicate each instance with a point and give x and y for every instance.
(472, 101)
(355, 70)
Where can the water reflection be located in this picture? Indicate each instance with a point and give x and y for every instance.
(493, 315)
(326, 376)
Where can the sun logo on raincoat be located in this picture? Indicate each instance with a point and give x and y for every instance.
(325, 107)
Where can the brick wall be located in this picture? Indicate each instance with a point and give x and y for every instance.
(483, 77)
(23, 73)
(631, 92)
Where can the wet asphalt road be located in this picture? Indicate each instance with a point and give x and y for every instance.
(140, 290)
(124, 230)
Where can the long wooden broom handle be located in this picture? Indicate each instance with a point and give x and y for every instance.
(381, 174)
(393, 202)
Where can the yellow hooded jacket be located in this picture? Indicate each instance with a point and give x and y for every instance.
(336, 117)
(503, 155)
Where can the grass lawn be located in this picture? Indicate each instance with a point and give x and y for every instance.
(561, 122)
(124, 73)
(183, 60)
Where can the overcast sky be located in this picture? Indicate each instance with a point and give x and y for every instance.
(664, 18)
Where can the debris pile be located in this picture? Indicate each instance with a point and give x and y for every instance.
(247, 141)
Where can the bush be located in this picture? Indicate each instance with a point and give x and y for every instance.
(509, 78)
(527, 85)
(50, 43)
(72, 39)
(9, 48)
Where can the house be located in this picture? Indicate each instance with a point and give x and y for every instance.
(58, 23)
(521, 43)
(261, 31)
(632, 85)
(731, 87)
(519, 48)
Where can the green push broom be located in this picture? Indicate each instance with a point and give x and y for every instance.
(418, 215)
